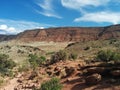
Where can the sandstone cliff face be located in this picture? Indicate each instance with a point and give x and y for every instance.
(64, 34)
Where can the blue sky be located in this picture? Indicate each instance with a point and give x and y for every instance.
(19, 15)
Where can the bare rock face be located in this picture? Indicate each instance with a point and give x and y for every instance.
(93, 79)
(64, 34)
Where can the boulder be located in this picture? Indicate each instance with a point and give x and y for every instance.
(93, 79)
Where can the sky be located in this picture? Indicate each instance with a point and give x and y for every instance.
(19, 15)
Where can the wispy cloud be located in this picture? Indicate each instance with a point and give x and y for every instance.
(99, 17)
(79, 4)
(16, 26)
(105, 14)
(47, 9)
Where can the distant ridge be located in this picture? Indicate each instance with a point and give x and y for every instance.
(6, 37)
(67, 34)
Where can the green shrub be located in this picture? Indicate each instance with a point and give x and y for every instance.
(36, 61)
(33, 60)
(61, 55)
(53, 84)
(10, 64)
(6, 65)
(108, 55)
(42, 59)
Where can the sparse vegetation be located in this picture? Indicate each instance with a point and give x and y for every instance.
(108, 55)
(53, 84)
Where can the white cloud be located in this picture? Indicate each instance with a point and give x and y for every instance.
(99, 17)
(16, 26)
(41, 27)
(3, 27)
(7, 29)
(79, 4)
(48, 9)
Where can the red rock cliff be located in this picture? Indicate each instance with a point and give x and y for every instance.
(70, 34)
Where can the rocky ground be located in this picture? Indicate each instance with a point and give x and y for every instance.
(75, 75)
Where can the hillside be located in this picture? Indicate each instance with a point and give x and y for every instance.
(88, 50)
